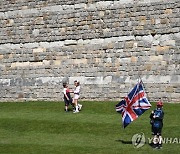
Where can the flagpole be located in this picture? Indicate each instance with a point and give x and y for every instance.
(144, 88)
(138, 95)
(139, 81)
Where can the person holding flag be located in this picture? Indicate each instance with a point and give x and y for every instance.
(156, 121)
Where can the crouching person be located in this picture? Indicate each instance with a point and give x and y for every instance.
(157, 124)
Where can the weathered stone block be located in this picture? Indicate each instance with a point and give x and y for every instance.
(168, 11)
(36, 64)
(4, 82)
(134, 59)
(1, 56)
(162, 48)
(142, 20)
(10, 22)
(80, 61)
(36, 50)
(129, 44)
(57, 62)
(164, 21)
(70, 42)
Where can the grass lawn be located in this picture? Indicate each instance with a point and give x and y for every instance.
(44, 127)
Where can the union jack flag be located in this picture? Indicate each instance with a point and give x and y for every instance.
(134, 105)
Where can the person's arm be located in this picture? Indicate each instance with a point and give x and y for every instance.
(66, 97)
(151, 115)
(71, 91)
(160, 117)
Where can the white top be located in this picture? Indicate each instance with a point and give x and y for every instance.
(77, 90)
(64, 91)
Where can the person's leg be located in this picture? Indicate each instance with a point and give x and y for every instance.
(160, 141)
(76, 106)
(152, 133)
(71, 101)
(79, 106)
(156, 138)
(66, 105)
(155, 141)
(66, 108)
(160, 137)
(152, 129)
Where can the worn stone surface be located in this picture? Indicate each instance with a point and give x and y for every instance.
(106, 45)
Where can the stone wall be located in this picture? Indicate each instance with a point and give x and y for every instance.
(107, 45)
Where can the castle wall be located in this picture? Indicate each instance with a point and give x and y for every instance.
(107, 45)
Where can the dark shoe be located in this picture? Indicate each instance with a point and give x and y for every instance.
(155, 146)
(160, 146)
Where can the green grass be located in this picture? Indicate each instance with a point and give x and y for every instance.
(44, 127)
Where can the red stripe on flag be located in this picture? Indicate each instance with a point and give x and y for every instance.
(128, 101)
(137, 97)
(123, 113)
(131, 112)
(129, 107)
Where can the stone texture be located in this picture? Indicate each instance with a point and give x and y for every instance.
(106, 45)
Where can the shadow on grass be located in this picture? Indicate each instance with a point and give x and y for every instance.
(124, 142)
(130, 142)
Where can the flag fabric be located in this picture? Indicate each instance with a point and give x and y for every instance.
(134, 105)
